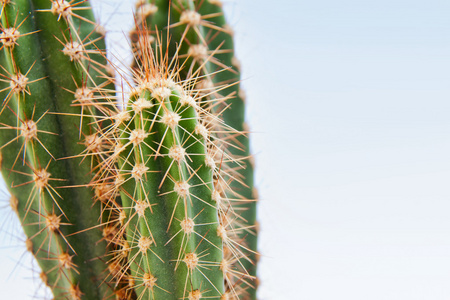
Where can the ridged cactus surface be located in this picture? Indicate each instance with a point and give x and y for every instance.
(149, 199)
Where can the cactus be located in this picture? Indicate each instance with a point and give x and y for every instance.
(150, 201)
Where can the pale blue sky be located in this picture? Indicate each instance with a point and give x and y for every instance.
(349, 104)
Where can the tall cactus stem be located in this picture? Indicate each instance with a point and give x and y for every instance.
(41, 58)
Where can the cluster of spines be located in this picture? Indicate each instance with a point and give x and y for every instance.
(203, 42)
(51, 76)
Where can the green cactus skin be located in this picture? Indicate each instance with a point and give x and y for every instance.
(40, 137)
(203, 42)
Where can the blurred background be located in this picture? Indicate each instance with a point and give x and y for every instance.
(349, 105)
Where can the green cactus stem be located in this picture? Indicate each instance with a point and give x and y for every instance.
(44, 61)
(165, 179)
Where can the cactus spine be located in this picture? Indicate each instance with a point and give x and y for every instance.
(148, 202)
